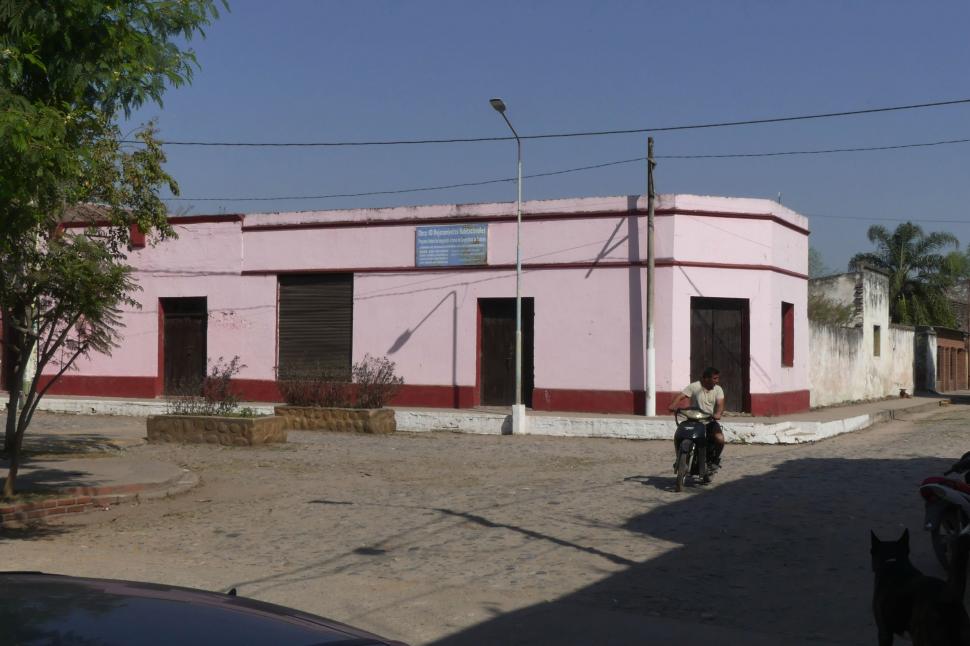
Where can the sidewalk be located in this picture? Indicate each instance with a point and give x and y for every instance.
(785, 429)
(52, 467)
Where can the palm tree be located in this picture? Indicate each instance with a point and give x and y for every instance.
(919, 275)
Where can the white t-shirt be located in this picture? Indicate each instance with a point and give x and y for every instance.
(702, 398)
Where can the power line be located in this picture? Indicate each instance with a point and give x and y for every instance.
(820, 152)
(567, 170)
(592, 133)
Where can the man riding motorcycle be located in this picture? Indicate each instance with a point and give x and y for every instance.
(707, 396)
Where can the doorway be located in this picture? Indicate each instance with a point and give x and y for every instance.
(719, 331)
(496, 358)
(184, 344)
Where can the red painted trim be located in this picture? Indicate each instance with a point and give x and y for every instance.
(199, 219)
(771, 404)
(137, 236)
(528, 217)
(276, 336)
(587, 401)
(724, 265)
(435, 396)
(477, 394)
(736, 216)
(177, 219)
(96, 386)
(609, 264)
(160, 369)
(787, 334)
(256, 390)
(547, 399)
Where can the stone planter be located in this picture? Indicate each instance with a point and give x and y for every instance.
(228, 431)
(344, 420)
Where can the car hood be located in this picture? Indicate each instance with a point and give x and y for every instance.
(38, 608)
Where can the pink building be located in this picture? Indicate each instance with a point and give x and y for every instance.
(432, 287)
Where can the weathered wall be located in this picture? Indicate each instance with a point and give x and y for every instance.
(843, 368)
(870, 359)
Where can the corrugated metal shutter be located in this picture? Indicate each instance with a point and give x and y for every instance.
(316, 324)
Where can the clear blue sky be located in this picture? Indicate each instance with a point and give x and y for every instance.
(315, 70)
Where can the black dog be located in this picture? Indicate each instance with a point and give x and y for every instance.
(906, 600)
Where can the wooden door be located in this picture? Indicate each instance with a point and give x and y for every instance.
(184, 344)
(497, 352)
(719, 338)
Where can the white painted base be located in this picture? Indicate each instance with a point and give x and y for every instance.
(491, 423)
(520, 422)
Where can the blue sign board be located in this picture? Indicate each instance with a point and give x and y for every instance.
(451, 244)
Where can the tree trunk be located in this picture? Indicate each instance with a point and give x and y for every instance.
(9, 484)
(13, 412)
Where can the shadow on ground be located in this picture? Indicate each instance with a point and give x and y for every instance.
(69, 444)
(44, 474)
(783, 554)
(30, 532)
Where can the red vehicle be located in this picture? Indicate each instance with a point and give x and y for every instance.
(45, 609)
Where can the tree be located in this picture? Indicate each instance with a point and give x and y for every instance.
(919, 276)
(825, 310)
(816, 264)
(69, 69)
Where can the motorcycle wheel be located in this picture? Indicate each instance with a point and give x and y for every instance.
(703, 466)
(683, 462)
(952, 522)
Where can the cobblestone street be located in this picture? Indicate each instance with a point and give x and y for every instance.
(462, 539)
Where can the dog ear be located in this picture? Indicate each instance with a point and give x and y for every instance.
(904, 539)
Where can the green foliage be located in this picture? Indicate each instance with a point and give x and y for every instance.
(68, 70)
(816, 264)
(822, 309)
(919, 275)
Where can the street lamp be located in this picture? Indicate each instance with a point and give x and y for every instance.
(518, 409)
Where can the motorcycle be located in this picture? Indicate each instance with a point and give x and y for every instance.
(696, 452)
(947, 508)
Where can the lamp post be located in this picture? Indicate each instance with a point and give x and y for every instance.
(518, 409)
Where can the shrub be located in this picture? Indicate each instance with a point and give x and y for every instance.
(375, 381)
(212, 395)
(372, 384)
(822, 309)
(326, 388)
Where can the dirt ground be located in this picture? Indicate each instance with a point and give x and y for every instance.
(453, 539)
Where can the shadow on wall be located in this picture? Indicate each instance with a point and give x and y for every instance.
(784, 553)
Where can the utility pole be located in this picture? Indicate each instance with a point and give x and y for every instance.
(650, 396)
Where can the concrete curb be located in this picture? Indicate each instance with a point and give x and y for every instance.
(129, 408)
(496, 423)
(642, 428)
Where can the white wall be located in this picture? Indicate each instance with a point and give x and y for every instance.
(844, 366)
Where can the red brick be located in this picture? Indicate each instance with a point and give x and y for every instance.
(82, 500)
(75, 509)
(8, 509)
(39, 513)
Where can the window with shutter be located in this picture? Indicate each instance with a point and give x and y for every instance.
(316, 322)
